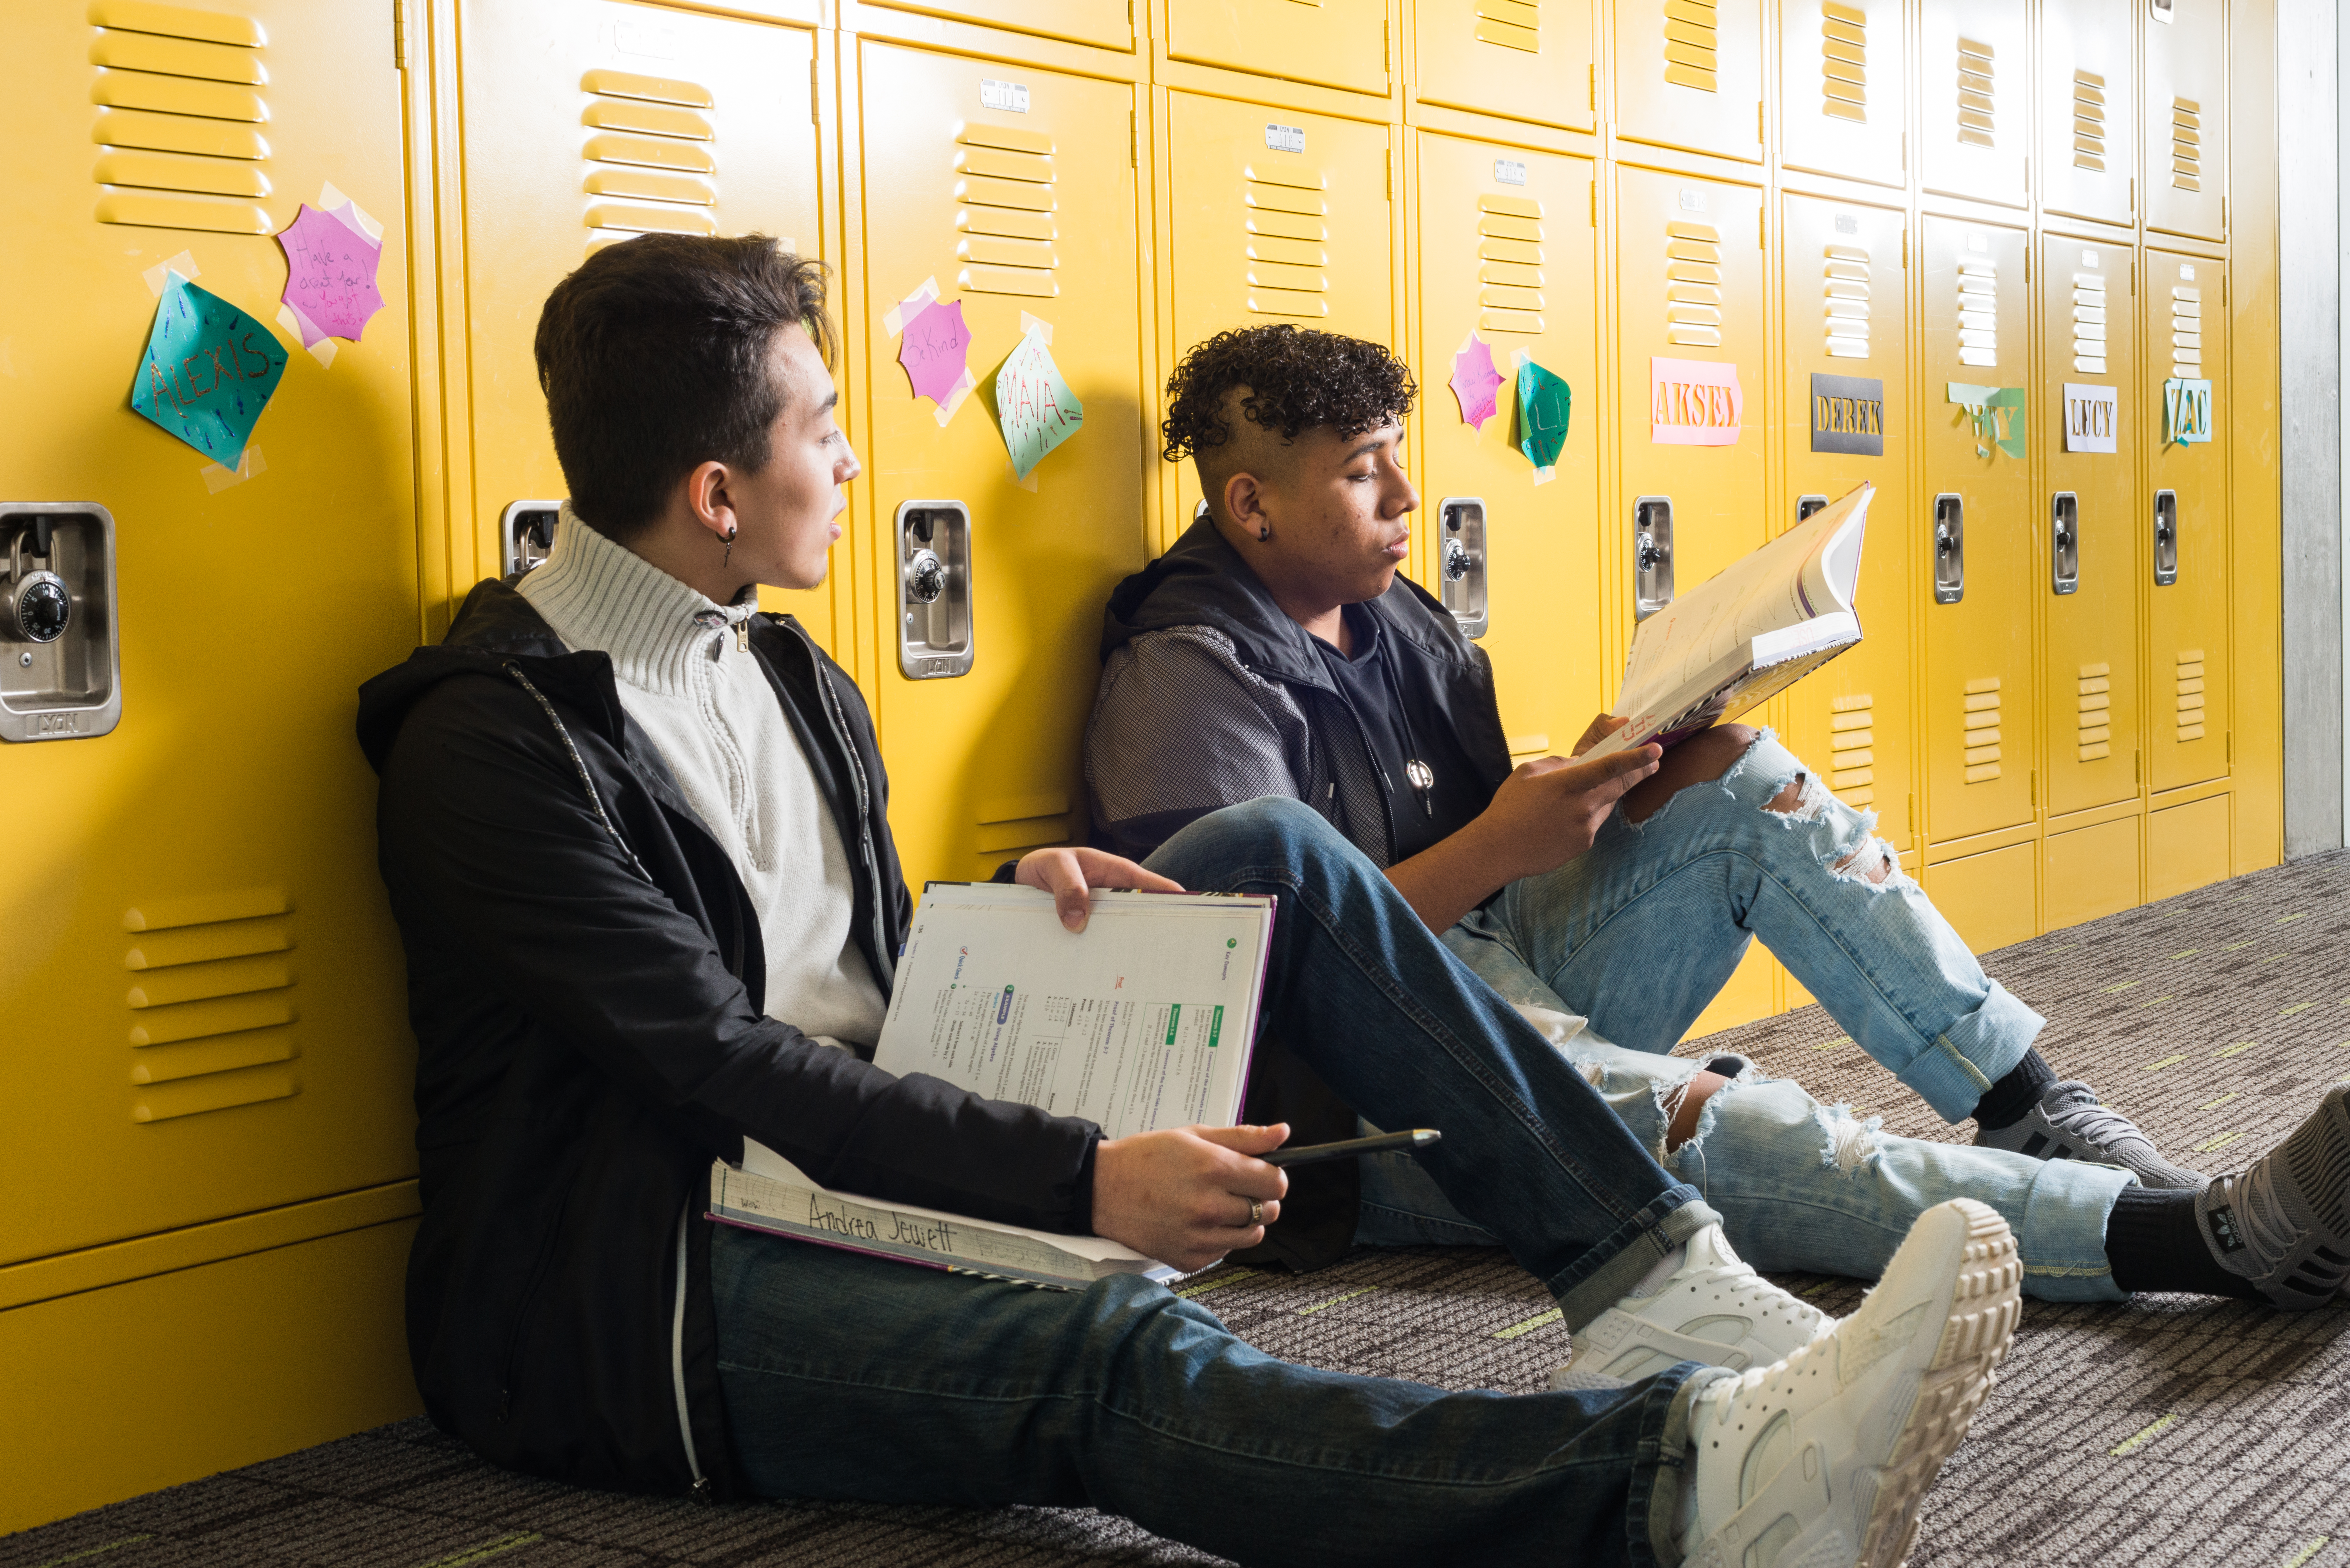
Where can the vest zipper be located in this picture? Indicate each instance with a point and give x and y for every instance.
(701, 1488)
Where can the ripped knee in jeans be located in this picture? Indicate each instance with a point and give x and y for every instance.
(1848, 1143)
(1807, 800)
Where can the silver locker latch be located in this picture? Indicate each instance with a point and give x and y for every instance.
(1652, 555)
(60, 649)
(2065, 542)
(526, 534)
(934, 630)
(1807, 504)
(1461, 567)
(2165, 538)
(1949, 548)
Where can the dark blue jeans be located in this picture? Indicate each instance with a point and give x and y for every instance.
(850, 1377)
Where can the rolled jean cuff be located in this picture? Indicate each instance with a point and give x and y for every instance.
(2063, 1240)
(1660, 1465)
(1612, 1266)
(1955, 1070)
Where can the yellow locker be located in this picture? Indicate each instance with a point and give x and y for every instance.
(1847, 387)
(2187, 846)
(1277, 216)
(1990, 899)
(1525, 59)
(2185, 123)
(2092, 872)
(1338, 43)
(1841, 104)
(1974, 76)
(1108, 24)
(1688, 74)
(1976, 569)
(2088, 423)
(1022, 213)
(1531, 565)
(2088, 103)
(588, 123)
(203, 996)
(2186, 520)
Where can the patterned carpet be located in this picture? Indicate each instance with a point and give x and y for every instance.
(2171, 1430)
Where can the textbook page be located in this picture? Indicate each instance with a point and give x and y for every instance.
(1142, 1021)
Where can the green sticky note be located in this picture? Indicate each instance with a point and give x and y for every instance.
(1997, 413)
(1034, 405)
(208, 370)
(1544, 403)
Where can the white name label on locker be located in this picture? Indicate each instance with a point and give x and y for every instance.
(1693, 198)
(1010, 97)
(2090, 414)
(638, 38)
(1284, 138)
(1509, 171)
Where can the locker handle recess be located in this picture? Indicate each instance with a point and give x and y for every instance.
(1807, 504)
(526, 534)
(934, 598)
(1461, 572)
(60, 644)
(1652, 555)
(1949, 548)
(2165, 538)
(2065, 542)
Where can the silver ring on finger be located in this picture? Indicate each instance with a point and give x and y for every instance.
(1256, 1212)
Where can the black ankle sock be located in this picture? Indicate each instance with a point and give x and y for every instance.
(2011, 1099)
(2154, 1243)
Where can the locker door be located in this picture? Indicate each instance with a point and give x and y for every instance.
(203, 1000)
(2187, 340)
(1015, 213)
(1540, 556)
(2089, 99)
(1107, 22)
(2187, 119)
(2090, 678)
(1841, 310)
(1975, 581)
(1689, 280)
(1688, 74)
(1278, 217)
(1338, 43)
(1840, 100)
(1521, 59)
(590, 122)
(1974, 83)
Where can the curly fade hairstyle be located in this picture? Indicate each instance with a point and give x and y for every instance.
(1298, 379)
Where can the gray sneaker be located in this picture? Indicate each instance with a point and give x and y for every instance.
(2281, 1223)
(2069, 1124)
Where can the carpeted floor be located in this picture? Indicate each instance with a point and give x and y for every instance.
(2168, 1430)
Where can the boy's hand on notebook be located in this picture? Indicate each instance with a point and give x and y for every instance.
(1182, 1196)
(1605, 725)
(1066, 873)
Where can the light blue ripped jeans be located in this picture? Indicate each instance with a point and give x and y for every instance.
(1640, 933)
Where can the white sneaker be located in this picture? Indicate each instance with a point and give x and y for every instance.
(1715, 1308)
(1821, 1460)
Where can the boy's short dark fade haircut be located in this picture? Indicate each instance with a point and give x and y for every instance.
(654, 358)
(1298, 379)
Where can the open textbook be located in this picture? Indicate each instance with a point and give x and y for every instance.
(1746, 634)
(1142, 1022)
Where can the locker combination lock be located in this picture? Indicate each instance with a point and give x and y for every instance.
(934, 598)
(2065, 542)
(1807, 504)
(1461, 572)
(1949, 548)
(60, 649)
(39, 607)
(2165, 538)
(1652, 555)
(526, 534)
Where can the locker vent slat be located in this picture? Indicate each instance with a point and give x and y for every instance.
(2093, 734)
(1512, 297)
(1289, 203)
(1852, 742)
(1978, 731)
(1692, 285)
(1006, 198)
(652, 167)
(212, 999)
(1691, 38)
(1511, 24)
(1977, 101)
(1978, 311)
(180, 117)
(2188, 692)
(1845, 288)
(2186, 328)
(2089, 121)
(1844, 62)
(2089, 324)
(2186, 144)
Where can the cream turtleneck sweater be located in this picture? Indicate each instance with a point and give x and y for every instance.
(715, 720)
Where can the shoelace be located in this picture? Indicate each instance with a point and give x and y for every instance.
(2099, 1126)
(1740, 1282)
(2261, 1212)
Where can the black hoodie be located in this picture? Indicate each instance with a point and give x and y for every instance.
(585, 980)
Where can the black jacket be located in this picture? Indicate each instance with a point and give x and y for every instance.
(585, 980)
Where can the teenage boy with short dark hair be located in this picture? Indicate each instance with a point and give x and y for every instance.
(1275, 651)
(634, 834)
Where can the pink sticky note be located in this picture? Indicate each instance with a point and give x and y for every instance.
(1474, 382)
(1694, 402)
(331, 269)
(932, 350)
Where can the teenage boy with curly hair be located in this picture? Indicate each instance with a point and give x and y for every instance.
(1275, 651)
(635, 836)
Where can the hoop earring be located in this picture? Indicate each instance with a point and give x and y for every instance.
(731, 530)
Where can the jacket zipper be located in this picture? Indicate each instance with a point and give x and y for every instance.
(839, 724)
(702, 1490)
(530, 1295)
